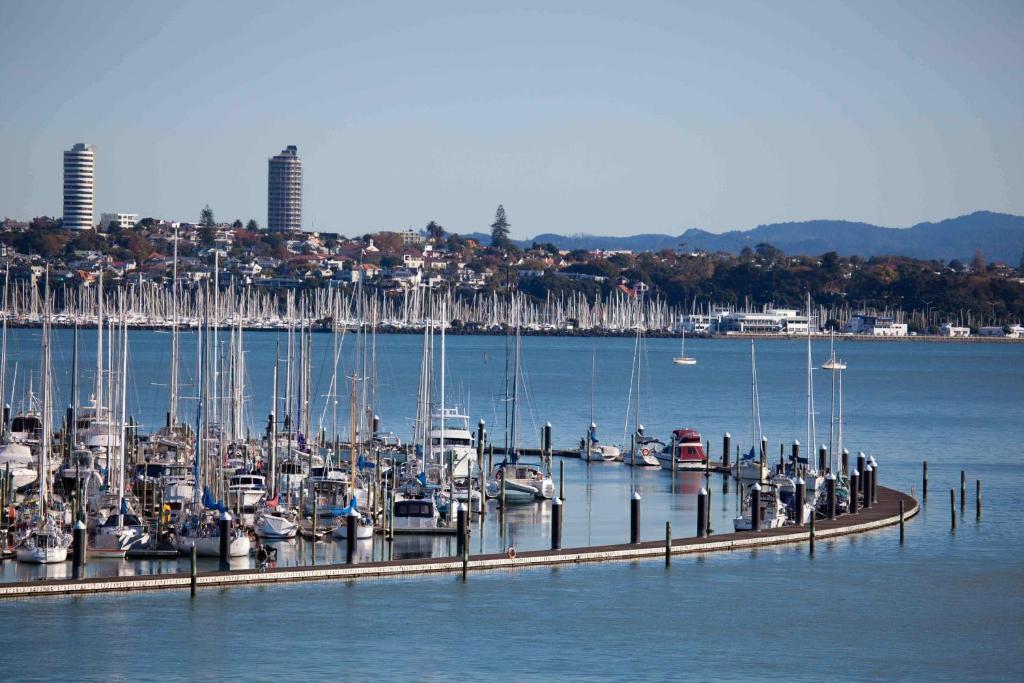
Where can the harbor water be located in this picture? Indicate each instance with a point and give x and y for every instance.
(944, 605)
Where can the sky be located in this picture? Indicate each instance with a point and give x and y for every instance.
(609, 118)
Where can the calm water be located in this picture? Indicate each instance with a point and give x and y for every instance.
(943, 606)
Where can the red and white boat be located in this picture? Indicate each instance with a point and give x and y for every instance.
(688, 451)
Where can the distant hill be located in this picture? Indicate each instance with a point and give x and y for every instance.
(999, 236)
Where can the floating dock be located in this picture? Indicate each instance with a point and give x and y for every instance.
(885, 512)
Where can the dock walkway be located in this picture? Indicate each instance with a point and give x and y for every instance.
(883, 513)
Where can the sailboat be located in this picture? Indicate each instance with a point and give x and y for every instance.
(750, 467)
(591, 449)
(521, 482)
(682, 358)
(832, 363)
(47, 542)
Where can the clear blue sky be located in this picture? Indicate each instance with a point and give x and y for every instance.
(609, 118)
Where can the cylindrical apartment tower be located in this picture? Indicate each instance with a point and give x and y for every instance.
(284, 191)
(79, 187)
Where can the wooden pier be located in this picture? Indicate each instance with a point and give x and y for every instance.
(886, 512)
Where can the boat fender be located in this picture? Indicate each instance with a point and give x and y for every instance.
(511, 552)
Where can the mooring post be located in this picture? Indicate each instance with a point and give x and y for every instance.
(874, 478)
(963, 490)
(764, 451)
(707, 507)
(901, 522)
(225, 541)
(668, 543)
(351, 531)
(865, 485)
(862, 462)
(192, 570)
(556, 524)
(854, 495)
(726, 449)
(846, 460)
(316, 519)
(755, 507)
(782, 457)
(561, 479)
(977, 498)
(548, 449)
(634, 517)
(830, 492)
(810, 536)
(465, 555)
(702, 513)
(822, 458)
(952, 508)
(795, 454)
(77, 549)
(924, 482)
(801, 496)
(480, 442)
(460, 528)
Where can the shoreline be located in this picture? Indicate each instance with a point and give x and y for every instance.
(587, 334)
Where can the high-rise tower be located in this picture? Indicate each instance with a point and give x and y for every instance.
(79, 187)
(284, 191)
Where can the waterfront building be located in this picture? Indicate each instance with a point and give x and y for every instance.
(875, 326)
(122, 221)
(79, 187)
(951, 330)
(284, 191)
(411, 238)
(771, 321)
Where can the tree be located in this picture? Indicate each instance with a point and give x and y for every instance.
(499, 229)
(978, 262)
(237, 225)
(252, 225)
(206, 217)
(435, 231)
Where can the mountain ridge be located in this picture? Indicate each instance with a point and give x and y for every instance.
(999, 237)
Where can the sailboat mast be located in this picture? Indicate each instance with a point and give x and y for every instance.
(99, 343)
(124, 395)
(515, 394)
(3, 350)
(44, 446)
(172, 417)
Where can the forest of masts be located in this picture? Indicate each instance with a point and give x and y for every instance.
(153, 305)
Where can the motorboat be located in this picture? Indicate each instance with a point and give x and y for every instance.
(411, 514)
(203, 531)
(450, 437)
(522, 483)
(18, 457)
(245, 491)
(685, 452)
(275, 522)
(772, 512)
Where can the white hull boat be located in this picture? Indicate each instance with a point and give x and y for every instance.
(275, 525)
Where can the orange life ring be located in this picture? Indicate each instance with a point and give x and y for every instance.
(511, 552)
(645, 451)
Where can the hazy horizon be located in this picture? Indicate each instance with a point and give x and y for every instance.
(585, 118)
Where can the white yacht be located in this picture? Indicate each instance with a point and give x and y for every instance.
(682, 358)
(275, 522)
(523, 483)
(203, 530)
(451, 433)
(119, 534)
(772, 512)
(414, 514)
(18, 457)
(245, 491)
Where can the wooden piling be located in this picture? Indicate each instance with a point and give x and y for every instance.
(924, 481)
(634, 518)
(963, 490)
(702, 513)
(561, 479)
(668, 543)
(811, 534)
(902, 531)
(977, 498)
(192, 570)
(556, 524)
(952, 508)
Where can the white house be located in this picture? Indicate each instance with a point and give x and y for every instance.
(951, 330)
(875, 326)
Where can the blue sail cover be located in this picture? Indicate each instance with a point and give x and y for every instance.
(352, 506)
(210, 503)
(750, 455)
